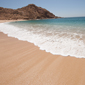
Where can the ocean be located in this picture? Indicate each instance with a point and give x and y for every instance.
(63, 36)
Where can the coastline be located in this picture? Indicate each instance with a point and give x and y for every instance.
(3, 21)
(22, 63)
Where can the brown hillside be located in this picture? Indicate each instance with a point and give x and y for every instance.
(29, 12)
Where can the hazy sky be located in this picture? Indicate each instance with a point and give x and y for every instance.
(63, 8)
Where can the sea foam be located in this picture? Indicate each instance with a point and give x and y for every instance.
(65, 44)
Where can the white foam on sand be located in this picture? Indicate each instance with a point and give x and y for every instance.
(57, 44)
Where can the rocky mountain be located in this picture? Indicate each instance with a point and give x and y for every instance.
(29, 12)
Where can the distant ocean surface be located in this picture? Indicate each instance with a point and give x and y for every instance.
(63, 36)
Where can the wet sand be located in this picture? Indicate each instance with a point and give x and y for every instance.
(22, 63)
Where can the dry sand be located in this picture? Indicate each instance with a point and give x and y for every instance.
(22, 63)
(2, 21)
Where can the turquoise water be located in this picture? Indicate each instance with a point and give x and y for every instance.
(63, 36)
(76, 24)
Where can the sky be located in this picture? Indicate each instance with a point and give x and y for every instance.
(62, 8)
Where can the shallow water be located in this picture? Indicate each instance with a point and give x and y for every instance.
(64, 36)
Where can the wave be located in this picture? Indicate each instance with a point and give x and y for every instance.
(57, 43)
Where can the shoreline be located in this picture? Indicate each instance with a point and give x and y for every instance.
(23, 63)
(3, 21)
(20, 38)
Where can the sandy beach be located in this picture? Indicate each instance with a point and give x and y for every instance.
(22, 63)
(2, 21)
